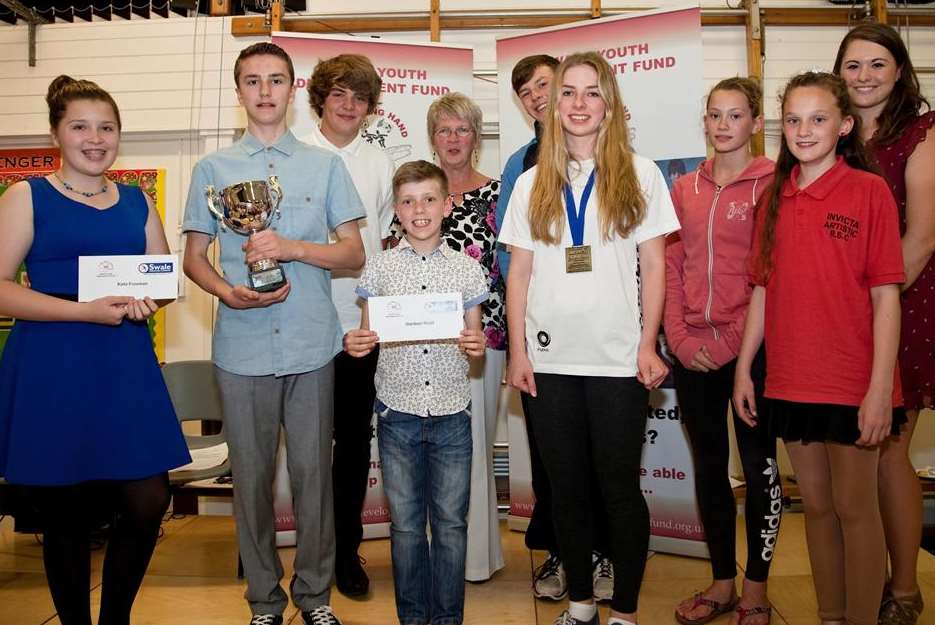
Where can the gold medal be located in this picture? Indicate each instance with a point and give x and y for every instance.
(578, 255)
(577, 258)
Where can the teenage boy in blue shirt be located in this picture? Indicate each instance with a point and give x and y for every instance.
(273, 351)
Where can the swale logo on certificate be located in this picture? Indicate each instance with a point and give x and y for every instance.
(155, 268)
(105, 269)
(134, 275)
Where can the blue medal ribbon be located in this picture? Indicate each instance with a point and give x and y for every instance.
(575, 213)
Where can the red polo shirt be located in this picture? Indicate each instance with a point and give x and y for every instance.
(835, 239)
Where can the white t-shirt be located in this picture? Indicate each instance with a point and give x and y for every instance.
(372, 172)
(587, 323)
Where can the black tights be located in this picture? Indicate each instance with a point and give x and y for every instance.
(540, 534)
(68, 514)
(704, 398)
(591, 429)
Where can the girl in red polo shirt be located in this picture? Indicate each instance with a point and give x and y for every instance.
(827, 265)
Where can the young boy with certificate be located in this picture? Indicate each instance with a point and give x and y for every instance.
(423, 396)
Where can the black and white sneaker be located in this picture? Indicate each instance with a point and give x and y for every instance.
(322, 615)
(566, 619)
(549, 580)
(602, 578)
(266, 619)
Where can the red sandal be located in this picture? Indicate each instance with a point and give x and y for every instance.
(743, 613)
(717, 609)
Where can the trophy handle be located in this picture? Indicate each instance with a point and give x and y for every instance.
(275, 190)
(214, 199)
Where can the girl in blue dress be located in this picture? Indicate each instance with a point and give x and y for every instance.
(86, 425)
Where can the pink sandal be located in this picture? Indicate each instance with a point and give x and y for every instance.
(717, 609)
(743, 613)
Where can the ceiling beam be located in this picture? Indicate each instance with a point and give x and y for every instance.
(32, 19)
(254, 25)
(24, 12)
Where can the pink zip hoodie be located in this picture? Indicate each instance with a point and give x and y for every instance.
(707, 291)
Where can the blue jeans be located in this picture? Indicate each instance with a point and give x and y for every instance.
(426, 465)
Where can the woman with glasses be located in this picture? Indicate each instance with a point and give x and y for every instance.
(454, 126)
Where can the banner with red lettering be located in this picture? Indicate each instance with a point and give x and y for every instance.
(658, 61)
(413, 75)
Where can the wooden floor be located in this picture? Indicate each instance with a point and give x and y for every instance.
(192, 581)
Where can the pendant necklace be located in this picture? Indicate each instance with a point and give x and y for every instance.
(84, 193)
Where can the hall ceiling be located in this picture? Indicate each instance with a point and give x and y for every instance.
(87, 10)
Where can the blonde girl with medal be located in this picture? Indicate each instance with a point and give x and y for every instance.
(586, 289)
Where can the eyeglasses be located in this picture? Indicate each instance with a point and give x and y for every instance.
(460, 132)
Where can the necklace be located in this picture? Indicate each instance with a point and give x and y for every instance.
(84, 193)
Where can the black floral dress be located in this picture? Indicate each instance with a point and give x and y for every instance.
(472, 229)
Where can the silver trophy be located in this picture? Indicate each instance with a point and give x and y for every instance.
(247, 208)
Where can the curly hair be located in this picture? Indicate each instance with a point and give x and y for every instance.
(351, 71)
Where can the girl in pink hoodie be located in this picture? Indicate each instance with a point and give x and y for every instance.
(707, 294)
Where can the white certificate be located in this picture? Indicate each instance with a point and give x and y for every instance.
(417, 317)
(144, 275)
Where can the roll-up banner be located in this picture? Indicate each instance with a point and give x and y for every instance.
(413, 75)
(658, 61)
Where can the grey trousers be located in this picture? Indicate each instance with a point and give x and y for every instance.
(254, 409)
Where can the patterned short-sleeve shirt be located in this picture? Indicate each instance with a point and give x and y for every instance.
(471, 229)
(423, 378)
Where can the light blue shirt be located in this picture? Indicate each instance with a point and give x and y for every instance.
(512, 171)
(302, 333)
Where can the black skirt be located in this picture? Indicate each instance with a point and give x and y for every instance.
(833, 423)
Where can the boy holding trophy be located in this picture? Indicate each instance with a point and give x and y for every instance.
(277, 330)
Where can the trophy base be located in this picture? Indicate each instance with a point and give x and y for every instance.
(267, 279)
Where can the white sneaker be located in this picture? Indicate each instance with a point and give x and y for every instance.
(549, 580)
(602, 577)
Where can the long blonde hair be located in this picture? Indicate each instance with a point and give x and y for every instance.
(622, 204)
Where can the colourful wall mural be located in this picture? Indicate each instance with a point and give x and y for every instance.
(20, 164)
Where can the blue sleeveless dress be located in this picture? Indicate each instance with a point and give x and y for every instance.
(83, 401)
